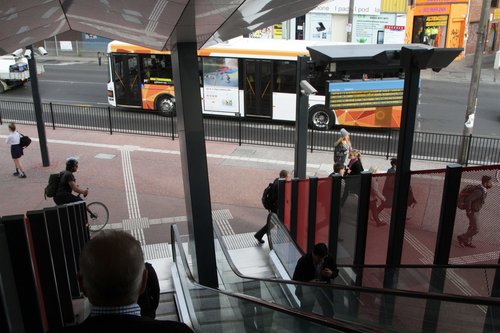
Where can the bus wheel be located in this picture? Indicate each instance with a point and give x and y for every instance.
(320, 118)
(165, 105)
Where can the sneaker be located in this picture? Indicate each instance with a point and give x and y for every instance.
(470, 245)
(22, 175)
(461, 242)
(260, 240)
(15, 173)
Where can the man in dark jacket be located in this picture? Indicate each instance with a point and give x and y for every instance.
(112, 275)
(319, 267)
(274, 205)
(473, 204)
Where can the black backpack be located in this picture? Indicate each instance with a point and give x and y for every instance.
(24, 141)
(148, 301)
(51, 188)
(269, 196)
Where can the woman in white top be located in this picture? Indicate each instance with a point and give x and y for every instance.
(16, 150)
(342, 147)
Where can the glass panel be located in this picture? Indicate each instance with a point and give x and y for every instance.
(250, 89)
(422, 217)
(157, 69)
(324, 194)
(118, 78)
(126, 79)
(478, 228)
(348, 219)
(266, 93)
(134, 81)
(285, 73)
(283, 245)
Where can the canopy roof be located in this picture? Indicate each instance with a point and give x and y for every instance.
(361, 56)
(157, 24)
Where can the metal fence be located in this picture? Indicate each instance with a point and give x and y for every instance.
(379, 142)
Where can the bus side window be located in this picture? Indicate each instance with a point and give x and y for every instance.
(285, 74)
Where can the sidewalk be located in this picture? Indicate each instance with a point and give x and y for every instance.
(461, 71)
(139, 178)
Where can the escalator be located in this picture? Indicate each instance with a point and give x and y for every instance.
(386, 309)
(211, 310)
(358, 307)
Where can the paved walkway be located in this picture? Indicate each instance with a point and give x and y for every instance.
(139, 178)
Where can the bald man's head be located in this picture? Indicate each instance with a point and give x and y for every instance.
(112, 269)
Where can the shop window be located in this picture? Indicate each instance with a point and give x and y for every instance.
(430, 30)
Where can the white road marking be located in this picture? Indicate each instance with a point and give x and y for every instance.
(453, 277)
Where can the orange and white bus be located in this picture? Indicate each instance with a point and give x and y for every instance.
(252, 78)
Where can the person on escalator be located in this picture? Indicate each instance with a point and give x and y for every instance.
(319, 267)
(113, 275)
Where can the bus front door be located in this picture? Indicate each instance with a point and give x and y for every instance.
(258, 88)
(126, 80)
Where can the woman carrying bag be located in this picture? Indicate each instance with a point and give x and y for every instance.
(16, 150)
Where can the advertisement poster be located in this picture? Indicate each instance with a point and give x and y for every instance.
(65, 46)
(394, 34)
(366, 28)
(220, 81)
(320, 27)
(361, 7)
(371, 103)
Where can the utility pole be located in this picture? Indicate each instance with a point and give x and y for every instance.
(474, 82)
(349, 21)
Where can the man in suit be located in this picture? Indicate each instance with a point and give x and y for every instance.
(319, 267)
(113, 275)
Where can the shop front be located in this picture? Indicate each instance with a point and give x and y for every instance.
(438, 23)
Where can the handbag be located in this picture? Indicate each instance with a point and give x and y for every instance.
(24, 141)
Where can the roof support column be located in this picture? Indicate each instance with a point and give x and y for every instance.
(194, 162)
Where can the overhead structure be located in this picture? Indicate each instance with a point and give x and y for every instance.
(360, 57)
(152, 23)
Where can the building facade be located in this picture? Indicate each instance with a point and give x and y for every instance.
(492, 43)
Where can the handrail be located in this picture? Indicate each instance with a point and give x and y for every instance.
(476, 300)
(314, 318)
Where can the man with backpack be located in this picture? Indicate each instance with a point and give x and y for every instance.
(471, 199)
(67, 184)
(270, 202)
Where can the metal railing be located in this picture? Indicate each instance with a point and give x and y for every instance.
(378, 142)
